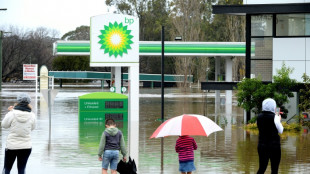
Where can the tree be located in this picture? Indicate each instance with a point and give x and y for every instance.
(80, 33)
(252, 92)
(186, 18)
(304, 93)
(152, 15)
(25, 47)
(71, 63)
(228, 28)
(283, 85)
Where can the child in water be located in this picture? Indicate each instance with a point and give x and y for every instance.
(185, 147)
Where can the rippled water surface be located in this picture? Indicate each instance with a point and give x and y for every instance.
(72, 147)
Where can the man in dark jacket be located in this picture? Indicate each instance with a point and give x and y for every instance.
(269, 126)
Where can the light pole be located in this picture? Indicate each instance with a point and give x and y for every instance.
(1, 35)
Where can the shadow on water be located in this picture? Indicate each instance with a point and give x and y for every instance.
(74, 145)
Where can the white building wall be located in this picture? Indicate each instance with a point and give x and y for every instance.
(308, 56)
(294, 53)
(274, 1)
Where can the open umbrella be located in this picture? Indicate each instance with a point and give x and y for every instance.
(186, 124)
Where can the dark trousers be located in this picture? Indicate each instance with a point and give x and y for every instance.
(266, 152)
(22, 158)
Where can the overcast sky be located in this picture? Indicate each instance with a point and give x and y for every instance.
(61, 15)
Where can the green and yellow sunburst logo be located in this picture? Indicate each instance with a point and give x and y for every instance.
(115, 39)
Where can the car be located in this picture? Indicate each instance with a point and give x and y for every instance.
(306, 116)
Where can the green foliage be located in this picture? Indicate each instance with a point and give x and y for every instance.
(287, 127)
(282, 86)
(71, 63)
(304, 94)
(252, 92)
(253, 120)
(251, 126)
(291, 127)
(80, 33)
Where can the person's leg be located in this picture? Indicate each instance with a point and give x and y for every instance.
(275, 159)
(189, 172)
(114, 161)
(104, 171)
(106, 160)
(22, 158)
(263, 156)
(9, 158)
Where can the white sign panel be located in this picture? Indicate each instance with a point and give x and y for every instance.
(114, 40)
(30, 71)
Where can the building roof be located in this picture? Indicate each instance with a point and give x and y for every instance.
(261, 8)
(153, 48)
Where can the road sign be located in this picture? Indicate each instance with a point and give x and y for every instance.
(30, 71)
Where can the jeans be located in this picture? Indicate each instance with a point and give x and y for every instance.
(110, 157)
(22, 158)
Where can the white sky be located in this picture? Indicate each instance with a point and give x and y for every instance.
(61, 15)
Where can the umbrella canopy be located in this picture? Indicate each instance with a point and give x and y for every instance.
(186, 124)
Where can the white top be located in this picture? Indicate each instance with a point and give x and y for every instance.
(278, 123)
(20, 123)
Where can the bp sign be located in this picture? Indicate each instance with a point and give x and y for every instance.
(114, 39)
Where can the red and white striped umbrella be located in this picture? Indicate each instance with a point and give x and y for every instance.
(187, 124)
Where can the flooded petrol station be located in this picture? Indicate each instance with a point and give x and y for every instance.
(72, 146)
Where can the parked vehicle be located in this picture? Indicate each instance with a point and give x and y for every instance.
(306, 116)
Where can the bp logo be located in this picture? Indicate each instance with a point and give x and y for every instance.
(115, 39)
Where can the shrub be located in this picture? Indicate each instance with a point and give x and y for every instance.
(287, 127)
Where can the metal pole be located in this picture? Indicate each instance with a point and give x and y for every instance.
(1, 34)
(162, 71)
(50, 117)
(248, 55)
(162, 90)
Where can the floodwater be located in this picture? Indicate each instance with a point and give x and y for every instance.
(72, 147)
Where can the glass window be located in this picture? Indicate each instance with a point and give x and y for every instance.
(307, 19)
(261, 48)
(293, 24)
(261, 58)
(262, 69)
(261, 25)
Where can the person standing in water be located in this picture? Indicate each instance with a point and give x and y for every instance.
(112, 141)
(269, 147)
(20, 121)
(185, 147)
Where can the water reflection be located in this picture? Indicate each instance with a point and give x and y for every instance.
(74, 145)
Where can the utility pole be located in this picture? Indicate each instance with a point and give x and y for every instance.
(1, 36)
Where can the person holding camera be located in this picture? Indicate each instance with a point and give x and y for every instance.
(269, 146)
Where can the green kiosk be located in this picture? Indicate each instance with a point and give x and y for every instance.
(94, 109)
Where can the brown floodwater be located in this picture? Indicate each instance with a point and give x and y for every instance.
(72, 147)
